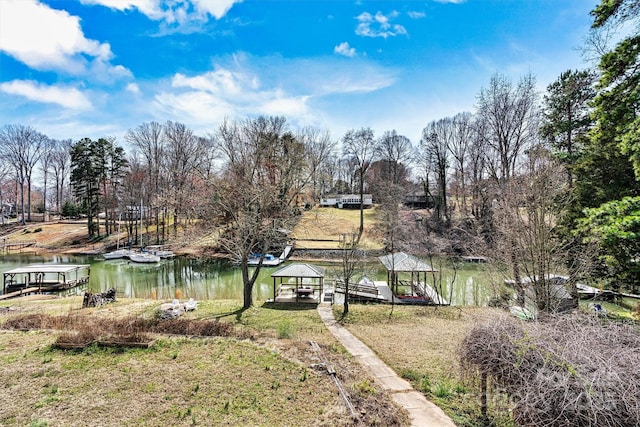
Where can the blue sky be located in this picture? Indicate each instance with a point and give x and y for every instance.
(95, 68)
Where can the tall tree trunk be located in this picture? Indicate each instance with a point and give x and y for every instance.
(157, 215)
(29, 197)
(345, 309)
(175, 222)
(44, 197)
(24, 221)
(361, 230)
(247, 284)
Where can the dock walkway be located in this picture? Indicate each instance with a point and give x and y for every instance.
(422, 412)
(20, 292)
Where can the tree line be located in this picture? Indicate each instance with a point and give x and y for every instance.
(539, 181)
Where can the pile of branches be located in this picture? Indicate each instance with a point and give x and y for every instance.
(560, 371)
(97, 299)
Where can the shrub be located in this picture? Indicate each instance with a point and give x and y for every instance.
(576, 368)
(286, 329)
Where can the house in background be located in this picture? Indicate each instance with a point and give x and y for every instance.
(417, 199)
(346, 201)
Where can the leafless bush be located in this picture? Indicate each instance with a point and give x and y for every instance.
(205, 328)
(75, 338)
(26, 322)
(572, 370)
(129, 326)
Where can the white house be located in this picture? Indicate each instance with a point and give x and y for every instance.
(346, 201)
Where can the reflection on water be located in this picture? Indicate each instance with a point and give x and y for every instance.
(190, 278)
(207, 280)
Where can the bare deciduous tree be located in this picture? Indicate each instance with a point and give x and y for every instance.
(526, 235)
(476, 167)
(510, 122)
(185, 155)
(255, 193)
(396, 150)
(319, 147)
(45, 166)
(349, 244)
(5, 172)
(60, 166)
(435, 158)
(23, 146)
(459, 147)
(360, 146)
(148, 139)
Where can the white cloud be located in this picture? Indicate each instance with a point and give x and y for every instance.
(222, 82)
(244, 86)
(450, 1)
(414, 14)
(133, 88)
(216, 8)
(223, 92)
(67, 97)
(50, 39)
(378, 25)
(150, 8)
(344, 49)
(353, 83)
(171, 11)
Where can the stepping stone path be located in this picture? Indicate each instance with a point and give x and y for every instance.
(422, 412)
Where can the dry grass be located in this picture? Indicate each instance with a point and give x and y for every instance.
(327, 224)
(51, 235)
(422, 344)
(264, 380)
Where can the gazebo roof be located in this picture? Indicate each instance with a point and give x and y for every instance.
(299, 270)
(402, 262)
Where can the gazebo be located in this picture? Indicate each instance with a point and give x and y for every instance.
(305, 283)
(417, 286)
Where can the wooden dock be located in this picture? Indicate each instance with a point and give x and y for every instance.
(17, 246)
(379, 291)
(38, 278)
(26, 291)
(365, 290)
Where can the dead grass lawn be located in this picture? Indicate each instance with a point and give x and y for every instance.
(421, 344)
(327, 224)
(266, 380)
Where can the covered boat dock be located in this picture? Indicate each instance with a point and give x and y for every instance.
(416, 290)
(39, 278)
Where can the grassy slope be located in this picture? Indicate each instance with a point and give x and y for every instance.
(328, 223)
(421, 344)
(266, 380)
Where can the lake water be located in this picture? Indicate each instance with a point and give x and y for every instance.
(207, 280)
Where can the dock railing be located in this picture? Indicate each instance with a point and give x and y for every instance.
(356, 288)
(17, 246)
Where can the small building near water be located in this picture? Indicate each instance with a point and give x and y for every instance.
(299, 282)
(407, 278)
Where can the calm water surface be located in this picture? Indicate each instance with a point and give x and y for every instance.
(208, 280)
(193, 278)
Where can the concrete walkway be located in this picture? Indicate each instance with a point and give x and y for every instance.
(422, 412)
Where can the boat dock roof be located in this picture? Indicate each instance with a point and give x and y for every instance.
(43, 278)
(47, 268)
